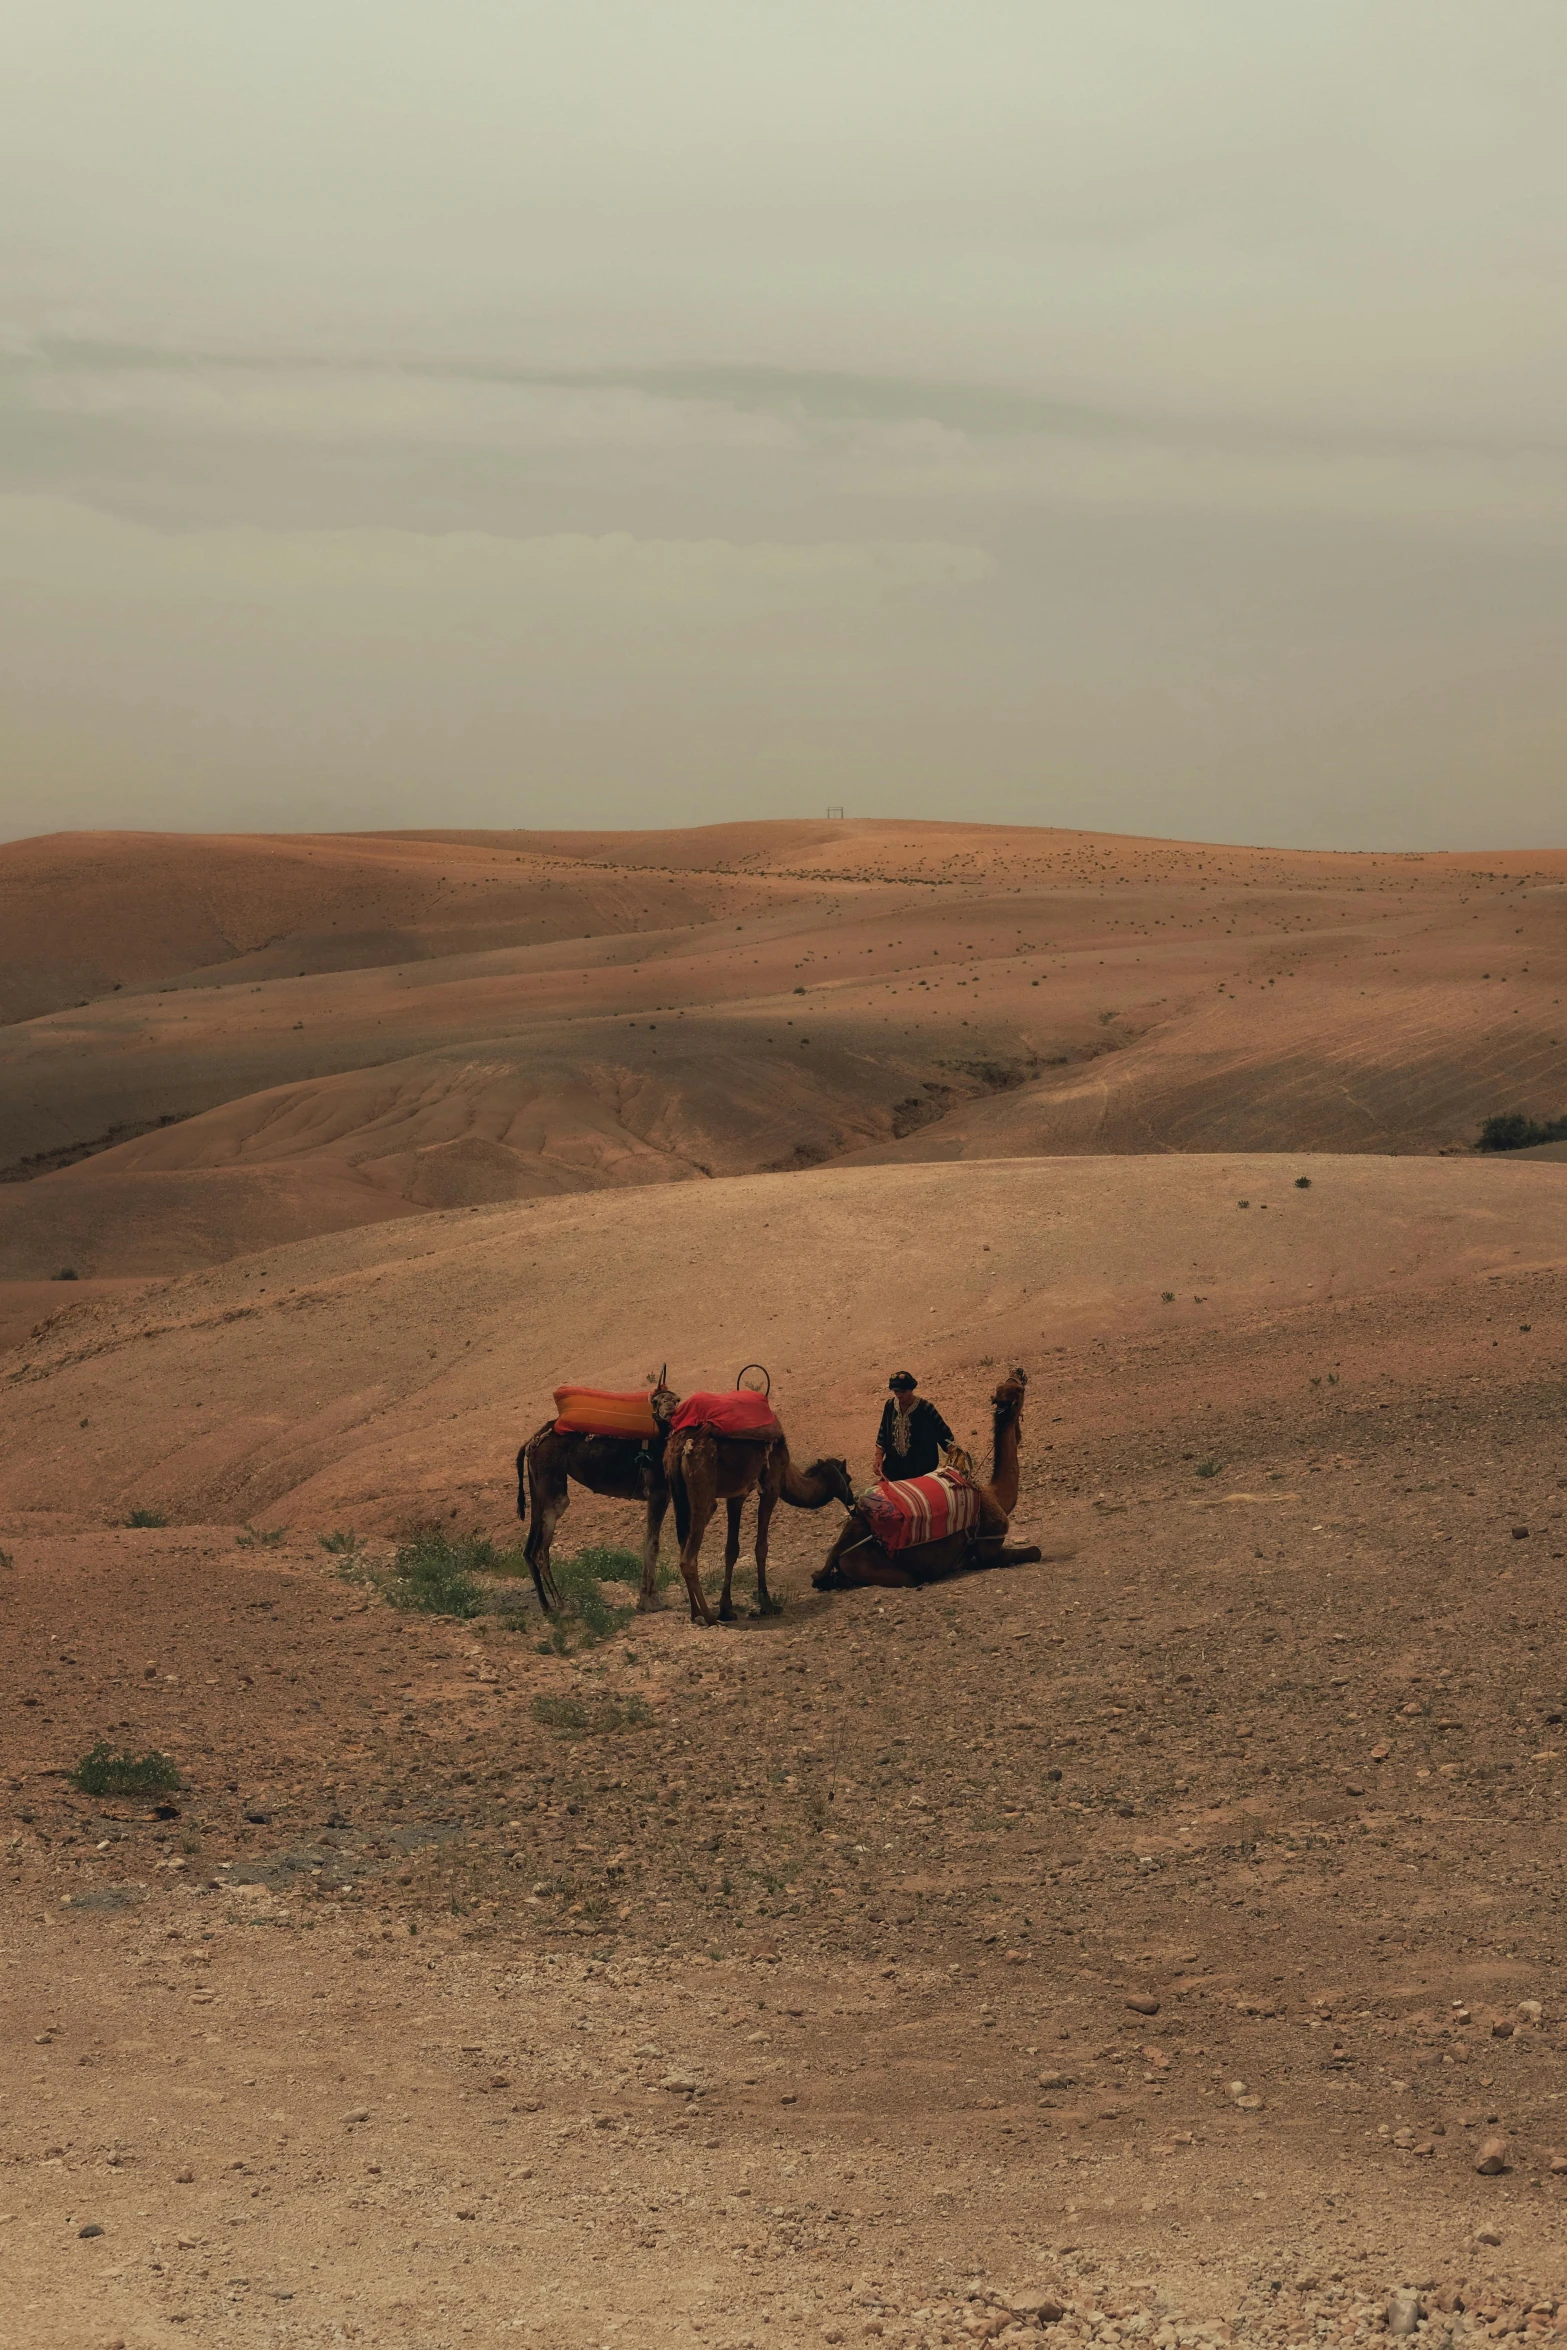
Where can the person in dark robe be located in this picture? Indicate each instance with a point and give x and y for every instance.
(913, 1435)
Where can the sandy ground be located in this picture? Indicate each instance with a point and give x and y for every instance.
(787, 1997)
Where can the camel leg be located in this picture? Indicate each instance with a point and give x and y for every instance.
(1004, 1554)
(766, 1503)
(856, 1560)
(699, 1483)
(726, 1605)
(657, 1506)
(547, 1506)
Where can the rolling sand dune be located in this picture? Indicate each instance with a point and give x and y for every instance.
(376, 1372)
(315, 1033)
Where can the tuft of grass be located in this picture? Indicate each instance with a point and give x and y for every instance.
(146, 1518)
(1167, 1297)
(576, 1717)
(1303, 1183)
(1207, 1468)
(342, 1543)
(614, 1566)
(431, 1573)
(261, 1537)
(103, 1772)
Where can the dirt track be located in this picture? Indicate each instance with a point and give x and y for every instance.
(729, 2024)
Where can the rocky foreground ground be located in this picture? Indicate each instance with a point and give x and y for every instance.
(1161, 1944)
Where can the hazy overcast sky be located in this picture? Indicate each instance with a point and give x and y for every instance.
(628, 411)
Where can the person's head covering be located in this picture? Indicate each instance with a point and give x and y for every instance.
(901, 1381)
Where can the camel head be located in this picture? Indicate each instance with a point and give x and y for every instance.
(1007, 1402)
(833, 1477)
(664, 1402)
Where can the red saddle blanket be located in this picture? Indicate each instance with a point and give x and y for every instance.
(736, 1413)
(904, 1511)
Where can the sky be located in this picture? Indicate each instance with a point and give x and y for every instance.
(551, 412)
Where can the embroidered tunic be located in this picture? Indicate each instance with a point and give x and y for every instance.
(911, 1442)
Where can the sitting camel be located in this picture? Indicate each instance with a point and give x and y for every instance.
(704, 1468)
(622, 1468)
(858, 1558)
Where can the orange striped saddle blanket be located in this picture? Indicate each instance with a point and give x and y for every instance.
(905, 1511)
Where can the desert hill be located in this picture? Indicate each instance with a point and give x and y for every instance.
(230, 1043)
(363, 1375)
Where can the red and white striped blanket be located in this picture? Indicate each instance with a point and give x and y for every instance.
(902, 1512)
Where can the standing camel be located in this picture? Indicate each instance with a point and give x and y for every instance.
(622, 1468)
(704, 1468)
(857, 1557)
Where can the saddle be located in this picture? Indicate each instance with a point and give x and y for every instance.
(738, 1413)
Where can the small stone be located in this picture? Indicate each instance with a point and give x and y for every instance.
(185, 2177)
(680, 2084)
(1491, 2160)
(1520, 1533)
(357, 2113)
(1502, 2028)
(1488, 2235)
(1043, 2308)
(1058, 2080)
(1381, 1753)
(1558, 2164)
(91, 2229)
(1530, 2010)
(1143, 2005)
(467, 2215)
(1404, 2313)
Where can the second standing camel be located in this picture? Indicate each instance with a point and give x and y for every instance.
(704, 1469)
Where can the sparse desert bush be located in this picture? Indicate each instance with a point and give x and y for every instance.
(1303, 1183)
(146, 1518)
(1207, 1468)
(103, 1772)
(261, 1537)
(342, 1543)
(578, 1717)
(66, 1273)
(1167, 1297)
(1512, 1131)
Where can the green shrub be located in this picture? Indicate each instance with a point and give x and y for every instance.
(146, 1518)
(431, 1574)
(1207, 1468)
(342, 1543)
(105, 1773)
(1512, 1131)
(261, 1537)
